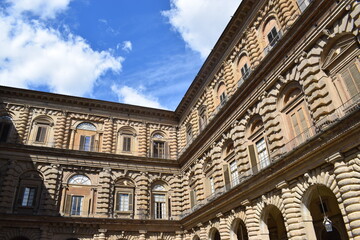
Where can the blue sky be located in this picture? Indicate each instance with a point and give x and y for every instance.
(137, 52)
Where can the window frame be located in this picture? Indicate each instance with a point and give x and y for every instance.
(164, 210)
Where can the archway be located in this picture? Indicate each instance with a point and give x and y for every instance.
(238, 230)
(273, 225)
(214, 234)
(318, 202)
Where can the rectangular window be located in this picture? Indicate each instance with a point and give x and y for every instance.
(123, 202)
(28, 198)
(76, 205)
(86, 143)
(262, 153)
(234, 173)
(4, 131)
(303, 4)
(188, 134)
(160, 206)
(158, 149)
(41, 133)
(127, 143)
(273, 37)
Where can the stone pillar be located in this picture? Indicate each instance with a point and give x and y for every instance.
(348, 178)
(252, 224)
(9, 188)
(143, 198)
(224, 229)
(295, 228)
(104, 193)
(218, 168)
(178, 235)
(23, 122)
(102, 235)
(108, 135)
(59, 131)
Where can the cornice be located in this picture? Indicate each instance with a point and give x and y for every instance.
(245, 13)
(91, 104)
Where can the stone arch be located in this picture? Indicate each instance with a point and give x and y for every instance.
(273, 200)
(214, 234)
(318, 201)
(272, 224)
(237, 227)
(320, 177)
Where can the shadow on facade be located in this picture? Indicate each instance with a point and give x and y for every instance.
(22, 178)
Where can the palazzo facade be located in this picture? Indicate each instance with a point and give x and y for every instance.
(265, 144)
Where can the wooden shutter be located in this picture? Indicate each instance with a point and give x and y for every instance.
(84, 211)
(93, 147)
(253, 158)
(67, 205)
(192, 198)
(20, 195)
(82, 142)
(131, 202)
(166, 146)
(226, 176)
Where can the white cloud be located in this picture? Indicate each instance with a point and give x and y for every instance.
(200, 22)
(33, 55)
(127, 46)
(132, 96)
(42, 8)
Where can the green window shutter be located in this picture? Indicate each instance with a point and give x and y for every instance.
(117, 201)
(67, 206)
(226, 176)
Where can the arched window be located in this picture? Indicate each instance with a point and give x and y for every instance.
(78, 198)
(29, 192)
(257, 148)
(5, 128)
(272, 224)
(231, 175)
(86, 138)
(341, 61)
(160, 201)
(203, 119)
(127, 139)
(80, 179)
(41, 131)
(243, 67)
(221, 94)
(124, 198)
(271, 34)
(159, 146)
(296, 114)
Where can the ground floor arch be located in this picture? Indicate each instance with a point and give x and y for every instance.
(214, 234)
(272, 224)
(318, 203)
(238, 230)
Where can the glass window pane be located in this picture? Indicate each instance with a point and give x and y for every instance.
(76, 205)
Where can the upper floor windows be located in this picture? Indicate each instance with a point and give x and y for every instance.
(127, 139)
(257, 148)
(160, 204)
(80, 179)
(124, 197)
(203, 119)
(159, 146)
(86, 138)
(341, 61)
(303, 4)
(41, 133)
(243, 67)
(295, 112)
(29, 192)
(221, 94)
(5, 128)
(189, 133)
(271, 34)
(78, 199)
